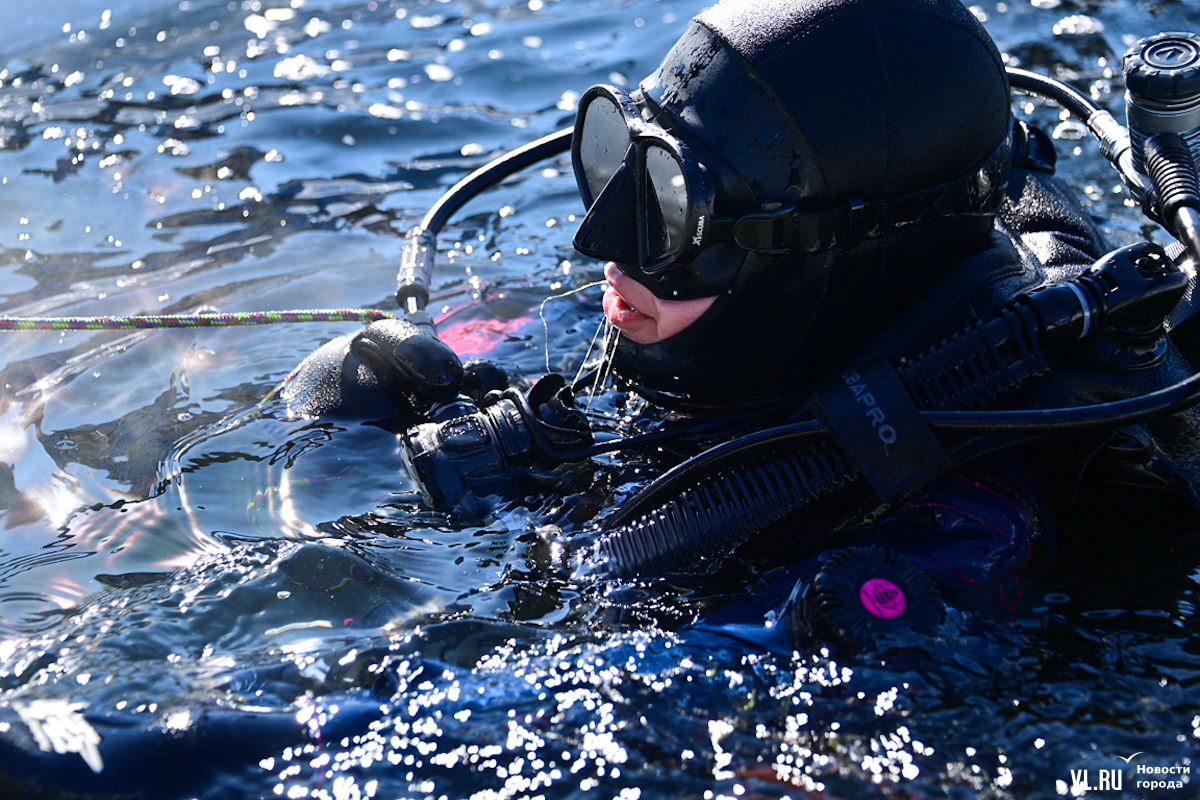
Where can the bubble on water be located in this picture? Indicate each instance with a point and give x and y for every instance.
(1078, 25)
(259, 25)
(299, 68)
(180, 85)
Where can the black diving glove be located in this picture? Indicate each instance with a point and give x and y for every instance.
(391, 370)
(419, 372)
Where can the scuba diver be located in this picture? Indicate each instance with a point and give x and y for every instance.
(893, 368)
(891, 346)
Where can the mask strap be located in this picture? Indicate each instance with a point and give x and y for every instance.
(791, 230)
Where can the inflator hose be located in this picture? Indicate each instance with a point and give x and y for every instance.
(420, 243)
(1074, 101)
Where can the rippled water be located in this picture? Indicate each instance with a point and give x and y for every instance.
(239, 605)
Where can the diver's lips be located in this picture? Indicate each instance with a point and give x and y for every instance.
(624, 315)
(620, 313)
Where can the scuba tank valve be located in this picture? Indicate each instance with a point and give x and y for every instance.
(1162, 105)
(1162, 91)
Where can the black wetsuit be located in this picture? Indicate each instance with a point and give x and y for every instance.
(1042, 236)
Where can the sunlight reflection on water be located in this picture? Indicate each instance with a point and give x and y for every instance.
(176, 558)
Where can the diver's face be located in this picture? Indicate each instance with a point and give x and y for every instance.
(642, 317)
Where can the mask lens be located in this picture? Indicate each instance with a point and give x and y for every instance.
(605, 138)
(667, 203)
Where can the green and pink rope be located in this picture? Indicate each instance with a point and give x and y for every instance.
(203, 320)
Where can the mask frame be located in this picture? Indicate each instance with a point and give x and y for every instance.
(705, 250)
(635, 174)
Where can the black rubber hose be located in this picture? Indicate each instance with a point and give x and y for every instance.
(1032, 422)
(702, 509)
(492, 173)
(699, 526)
(1074, 101)
(978, 364)
(686, 475)
(417, 257)
(1111, 134)
(1172, 170)
(1114, 414)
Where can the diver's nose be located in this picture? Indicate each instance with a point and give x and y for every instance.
(609, 231)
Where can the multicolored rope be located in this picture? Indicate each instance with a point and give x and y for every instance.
(202, 320)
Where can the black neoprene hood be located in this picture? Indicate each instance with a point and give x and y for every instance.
(819, 102)
(838, 98)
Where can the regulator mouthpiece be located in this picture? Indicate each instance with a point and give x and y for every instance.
(1162, 82)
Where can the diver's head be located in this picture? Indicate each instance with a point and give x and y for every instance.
(797, 171)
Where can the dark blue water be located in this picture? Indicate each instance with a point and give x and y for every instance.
(235, 604)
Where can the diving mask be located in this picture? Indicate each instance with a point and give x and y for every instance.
(651, 197)
(652, 200)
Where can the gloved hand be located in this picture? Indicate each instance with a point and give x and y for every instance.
(416, 370)
(391, 370)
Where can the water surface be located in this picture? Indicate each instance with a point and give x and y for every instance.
(179, 560)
